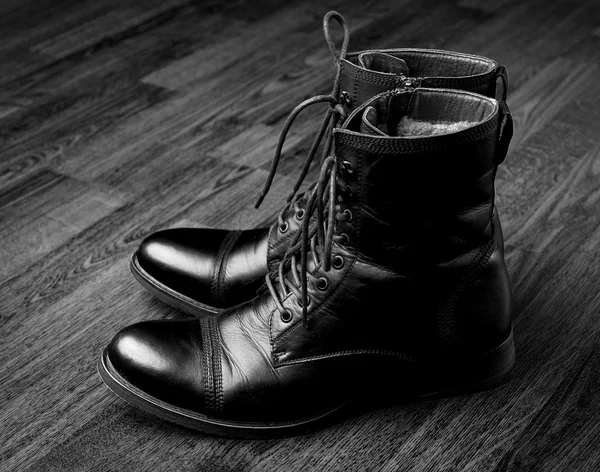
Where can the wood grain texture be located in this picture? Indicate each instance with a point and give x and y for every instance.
(119, 118)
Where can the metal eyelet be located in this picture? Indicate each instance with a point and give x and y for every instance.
(344, 239)
(286, 316)
(300, 214)
(348, 167)
(284, 227)
(308, 302)
(322, 284)
(349, 216)
(345, 98)
(338, 262)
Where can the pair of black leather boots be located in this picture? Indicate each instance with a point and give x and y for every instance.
(385, 279)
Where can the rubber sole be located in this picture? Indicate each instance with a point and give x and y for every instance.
(488, 370)
(167, 294)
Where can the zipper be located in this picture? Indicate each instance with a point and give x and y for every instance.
(407, 84)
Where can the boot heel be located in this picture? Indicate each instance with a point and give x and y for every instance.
(469, 373)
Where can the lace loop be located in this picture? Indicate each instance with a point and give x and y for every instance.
(335, 113)
(342, 22)
(316, 236)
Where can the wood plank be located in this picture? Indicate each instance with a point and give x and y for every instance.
(180, 190)
(547, 143)
(169, 117)
(64, 124)
(113, 23)
(42, 213)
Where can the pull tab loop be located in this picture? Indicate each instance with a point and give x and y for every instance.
(342, 22)
(505, 132)
(506, 129)
(502, 73)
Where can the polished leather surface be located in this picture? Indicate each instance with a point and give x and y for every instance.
(373, 326)
(203, 265)
(224, 267)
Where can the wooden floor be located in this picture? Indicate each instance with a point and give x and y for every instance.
(119, 118)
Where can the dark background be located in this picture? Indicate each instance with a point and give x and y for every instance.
(119, 118)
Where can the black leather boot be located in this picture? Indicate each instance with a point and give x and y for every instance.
(395, 285)
(204, 270)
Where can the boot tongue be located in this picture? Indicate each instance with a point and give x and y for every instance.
(382, 62)
(368, 123)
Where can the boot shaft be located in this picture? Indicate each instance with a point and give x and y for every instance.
(420, 200)
(365, 74)
(416, 262)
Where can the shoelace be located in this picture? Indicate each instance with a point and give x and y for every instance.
(317, 239)
(335, 114)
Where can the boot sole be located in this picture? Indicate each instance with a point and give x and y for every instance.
(205, 424)
(492, 369)
(168, 295)
(489, 369)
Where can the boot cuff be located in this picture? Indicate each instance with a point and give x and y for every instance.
(421, 120)
(434, 68)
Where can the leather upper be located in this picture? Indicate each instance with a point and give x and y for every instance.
(373, 322)
(207, 264)
(222, 268)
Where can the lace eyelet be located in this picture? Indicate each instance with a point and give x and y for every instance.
(308, 302)
(286, 316)
(322, 284)
(345, 98)
(348, 167)
(284, 227)
(344, 239)
(338, 262)
(300, 214)
(349, 190)
(349, 216)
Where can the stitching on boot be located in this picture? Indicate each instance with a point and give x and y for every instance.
(389, 80)
(353, 352)
(355, 90)
(446, 322)
(207, 369)
(218, 280)
(273, 246)
(213, 374)
(326, 303)
(417, 145)
(216, 364)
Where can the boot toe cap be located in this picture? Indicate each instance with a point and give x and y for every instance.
(155, 357)
(181, 259)
(184, 251)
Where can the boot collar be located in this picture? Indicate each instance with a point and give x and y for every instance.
(426, 67)
(434, 105)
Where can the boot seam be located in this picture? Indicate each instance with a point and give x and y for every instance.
(350, 352)
(418, 145)
(218, 279)
(273, 246)
(467, 82)
(213, 374)
(448, 330)
(209, 393)
(311, 315)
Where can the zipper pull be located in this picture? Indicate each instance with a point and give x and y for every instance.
(409, 83)
(405, 84)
